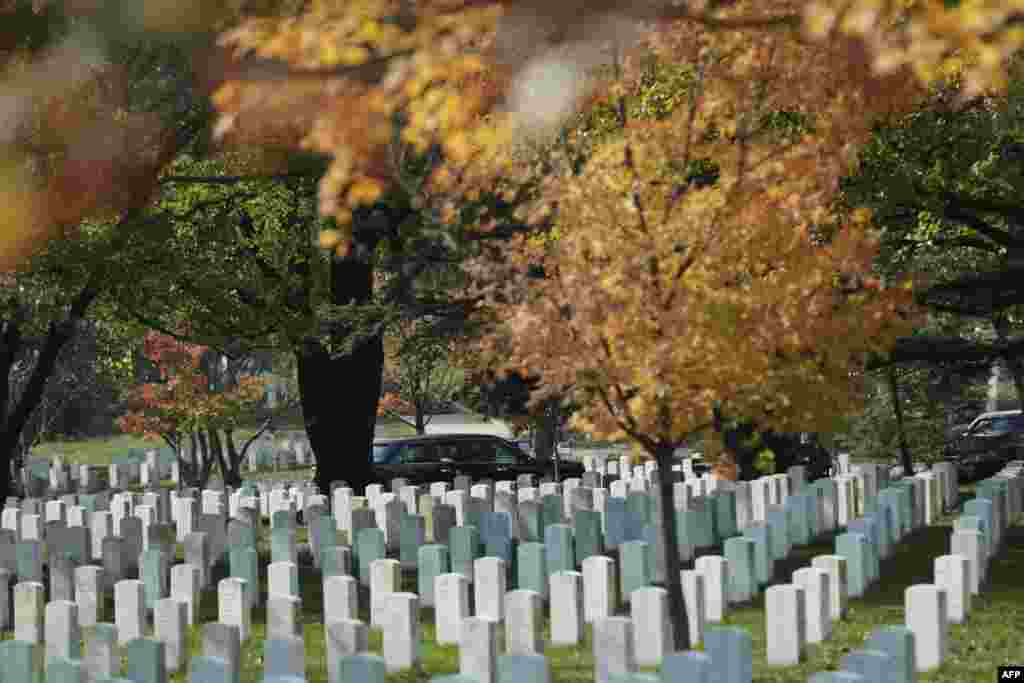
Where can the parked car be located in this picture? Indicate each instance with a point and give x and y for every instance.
(989, 442)
(442, 457)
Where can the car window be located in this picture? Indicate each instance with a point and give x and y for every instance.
(382, 454)
(505, 455)
(476, 450)
(993, 425)
(447, 450)
(414, 453)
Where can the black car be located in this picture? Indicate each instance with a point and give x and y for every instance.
(988, 443)
(442, 457)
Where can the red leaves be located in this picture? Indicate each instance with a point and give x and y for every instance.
(184, 401)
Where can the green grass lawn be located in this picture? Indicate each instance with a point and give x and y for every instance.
(991, 637)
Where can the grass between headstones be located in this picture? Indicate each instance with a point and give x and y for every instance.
(990, 637)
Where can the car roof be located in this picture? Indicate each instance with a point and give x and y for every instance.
(432, 437)
(999, 413)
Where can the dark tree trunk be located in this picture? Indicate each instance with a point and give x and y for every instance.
(10, 344)
(339, 394)
(894, 395)
(669, 537)
(17, 415)
(1013, 364)
(546, 437)
(209, 443)
(233, 475)
(219, 452)
(1001, 325)
(421, 422)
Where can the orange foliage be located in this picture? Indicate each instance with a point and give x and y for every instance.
(182, 402)
(663, 300)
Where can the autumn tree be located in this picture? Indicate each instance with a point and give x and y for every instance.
(672, 302)
(195, 421)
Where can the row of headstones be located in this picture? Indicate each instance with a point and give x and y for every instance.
(149, 660)
(241, 600)
(800, 612)
(575, 593)
(288, 451)
(117, 536)
(64, 478)
(477, 637)
(705, 519)
(84, 585)
(794, 609)
(818, 575)
(930, 608)
(81, 523)
(575, 543)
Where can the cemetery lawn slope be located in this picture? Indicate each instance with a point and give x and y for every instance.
(992, 635)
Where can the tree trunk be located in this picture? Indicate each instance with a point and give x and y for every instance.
(546, 437)
(231, 474)
(663, 455)
(1013, 364)
(339, 395)
(421, 423)
(217, 446)
(209, 443)
(10, 344)
(894, 395)
(17, 415)
(1000, 325)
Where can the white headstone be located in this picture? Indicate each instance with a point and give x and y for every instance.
(926, 615)
(784, 624)
(566, 591)
(185, 587)
(63, 636)
(524, 619)
(817, 602)
(600, 588)
(402, 632)
(129, 610)
(652, 630)
(385, 578)
(835, 567)
(169, 621)
(952, 573)
(614, 653)
(451, 597)
(694, 597)
(341, 598)
(478, 649)
(233, 606)
(489, 587)
(715, 570)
